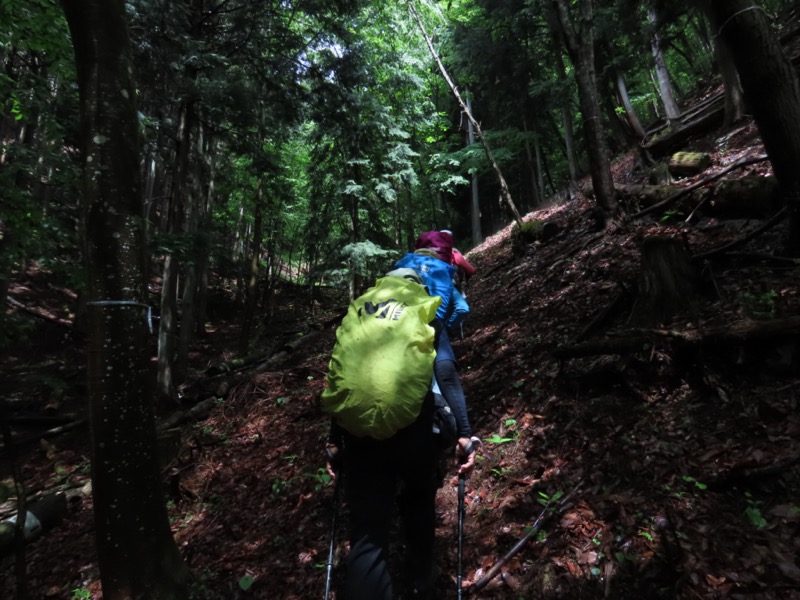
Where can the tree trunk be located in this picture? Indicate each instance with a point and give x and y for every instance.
(167, 329)
(580, 46)
(771, 90)
(253, 274)
(137, 555)
(204, 247)
(633, 118)
(194, 209)
(475, 204)
(172, 221)
(534, 164)
(734, 95)
(619, 130)
(566, 113)
(662, 74)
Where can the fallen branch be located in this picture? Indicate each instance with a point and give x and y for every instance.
(781, 260)
(643, 339)
(198, 411)
(537, 524)
(39, 314)
(610, 309)
(771, 222)
(742, 162)
(216, 384)
(739, 474)
(35, 437)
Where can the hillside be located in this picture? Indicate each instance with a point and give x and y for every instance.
(679, 455)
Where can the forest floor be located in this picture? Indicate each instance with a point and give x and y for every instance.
(679, 456)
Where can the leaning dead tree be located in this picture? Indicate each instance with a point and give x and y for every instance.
(504, 192)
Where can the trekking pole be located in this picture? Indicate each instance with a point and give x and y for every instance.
(462, 488)
(331, 550)
(462, 480)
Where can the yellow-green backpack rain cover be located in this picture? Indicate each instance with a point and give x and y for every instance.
(382, 363)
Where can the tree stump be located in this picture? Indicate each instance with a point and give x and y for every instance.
(660, 175)
(668, 282)
(689, 163)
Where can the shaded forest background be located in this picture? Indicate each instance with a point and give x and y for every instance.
(633, 352)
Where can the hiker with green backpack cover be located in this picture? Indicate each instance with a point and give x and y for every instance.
(383, 419)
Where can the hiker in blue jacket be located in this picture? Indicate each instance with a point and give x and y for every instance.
(373, 470)
(432, 261)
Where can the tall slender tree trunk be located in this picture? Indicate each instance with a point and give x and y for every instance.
(734, 95)
(167, 328)
(203, 239)
(136, 553)
(173, 221)
(194, 207)
(568, 135)
(409, 220)
(671, 107)
(253, 272)
(772, 92)
(534, 164)
(580, 46)
(633, 118)
(475, 202)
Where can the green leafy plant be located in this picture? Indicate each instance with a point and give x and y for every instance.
(246, 582)
(687, 479)
(322, 478)
(697, 484)
(497, 473)
(759, 306)
(81, 593)
(279, 486)
(545, 499)
(675, 493)
(671, 214)
(282, 400)
(622, 557)
(497, 439)
(753, 512)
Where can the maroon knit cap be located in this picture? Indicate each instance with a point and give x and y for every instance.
(439, 241)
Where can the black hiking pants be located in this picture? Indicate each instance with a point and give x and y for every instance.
(378, 477)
